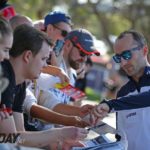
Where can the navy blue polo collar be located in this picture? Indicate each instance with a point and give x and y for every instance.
(147, 71)
(145, 74)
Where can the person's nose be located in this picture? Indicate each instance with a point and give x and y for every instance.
(7, 56)
(123, 62)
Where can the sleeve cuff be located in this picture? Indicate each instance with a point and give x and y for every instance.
(108, 103)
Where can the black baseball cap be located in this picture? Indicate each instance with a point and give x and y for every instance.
(84, 40)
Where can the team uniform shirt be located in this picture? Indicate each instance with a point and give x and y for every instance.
(14, 95)
(135, 122)
(126, 102)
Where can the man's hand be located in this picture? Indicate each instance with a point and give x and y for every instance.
(73, 134)
(85, 110)
(69, 145)
(99, 112)
(79, 122)
(63, 76)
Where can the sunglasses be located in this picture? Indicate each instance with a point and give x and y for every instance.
(78, 46)
(64, 33)
(126, 55)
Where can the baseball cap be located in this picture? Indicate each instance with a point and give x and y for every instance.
(56, 17)
(83, 40)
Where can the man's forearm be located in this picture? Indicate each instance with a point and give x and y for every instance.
(52, 70)
(52, 116)
(40, 139)
(67, 109)
(131, 102)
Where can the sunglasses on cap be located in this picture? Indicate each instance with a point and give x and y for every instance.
(64, 33)
(81, 50)
(126, 55)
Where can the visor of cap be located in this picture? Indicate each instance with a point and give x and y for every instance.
(89, 50)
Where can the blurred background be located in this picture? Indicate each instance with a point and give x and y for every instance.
(105, 19)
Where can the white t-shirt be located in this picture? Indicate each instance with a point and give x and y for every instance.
(46, 99)
(47, 82)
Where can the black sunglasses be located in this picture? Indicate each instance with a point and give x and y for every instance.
(82, 54)
(64, 33)
(126, 55)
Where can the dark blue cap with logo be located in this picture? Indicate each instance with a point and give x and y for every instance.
(83, 40)
(56, 17)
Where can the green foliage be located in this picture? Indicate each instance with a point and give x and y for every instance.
(118, 24)
(92, 95)
(101, 20)
(35, 9)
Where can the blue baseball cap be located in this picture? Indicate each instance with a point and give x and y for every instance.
(56, 17)
(83, 40)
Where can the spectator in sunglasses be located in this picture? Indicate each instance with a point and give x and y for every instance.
(57, 25)
(131, 53)
(78, 45)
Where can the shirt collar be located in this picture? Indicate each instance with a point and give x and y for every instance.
(146, 72)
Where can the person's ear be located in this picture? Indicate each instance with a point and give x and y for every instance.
(68, 45)
(50, 28)
(145, 50)
(27, 55)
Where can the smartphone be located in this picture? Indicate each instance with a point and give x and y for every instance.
(58, 47)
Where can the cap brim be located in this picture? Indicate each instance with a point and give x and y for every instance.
(92, 52)
(97, 53)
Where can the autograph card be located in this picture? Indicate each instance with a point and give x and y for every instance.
(74, 93)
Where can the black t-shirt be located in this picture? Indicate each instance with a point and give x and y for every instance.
(14, 95)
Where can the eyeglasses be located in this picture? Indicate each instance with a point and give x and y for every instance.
(78, 46)
(64, 33)
(126, 55)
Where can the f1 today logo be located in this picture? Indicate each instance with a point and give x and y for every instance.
(10, 138)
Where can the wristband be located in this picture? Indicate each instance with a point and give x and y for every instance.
(107, 102)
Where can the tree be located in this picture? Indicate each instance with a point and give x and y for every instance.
(101, 17)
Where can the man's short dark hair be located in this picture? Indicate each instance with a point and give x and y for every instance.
(28, 38)
(138, 37)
